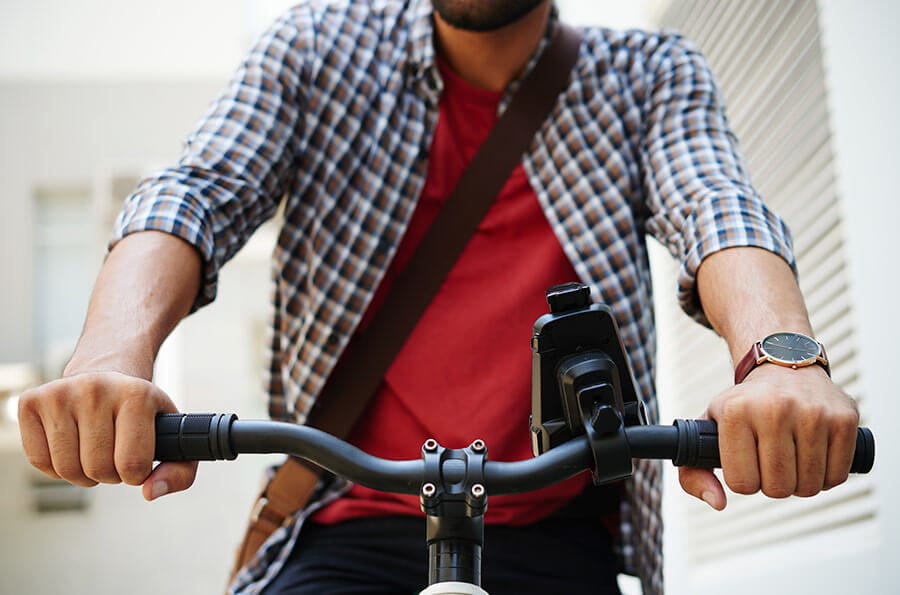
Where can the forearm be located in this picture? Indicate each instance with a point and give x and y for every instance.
(749, 293)
(146, 286)
(785, 431)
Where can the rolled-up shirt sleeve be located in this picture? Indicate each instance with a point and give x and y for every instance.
(238, 161)
(696, 183)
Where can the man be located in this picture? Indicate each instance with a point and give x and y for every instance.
(364, 115)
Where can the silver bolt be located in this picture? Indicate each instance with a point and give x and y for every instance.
(428, 490)
(431, 445)
(478, 445)
(478, 490)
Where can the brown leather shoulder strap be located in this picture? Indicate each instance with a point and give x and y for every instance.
(361, 371)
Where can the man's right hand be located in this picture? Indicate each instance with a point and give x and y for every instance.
(98, 427)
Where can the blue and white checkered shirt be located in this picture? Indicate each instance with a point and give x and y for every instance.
(335, 109)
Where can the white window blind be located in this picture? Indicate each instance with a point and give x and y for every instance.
(768, 62)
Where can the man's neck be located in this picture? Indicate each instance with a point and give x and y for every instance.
(491, 60)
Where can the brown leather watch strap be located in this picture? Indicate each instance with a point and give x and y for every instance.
(756, 357)
(748, 362)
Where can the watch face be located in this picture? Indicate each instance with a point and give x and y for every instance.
(790, 348)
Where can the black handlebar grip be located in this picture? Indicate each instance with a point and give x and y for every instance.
(194, 437)
(864, 457)
(698, 446)
(698, 443)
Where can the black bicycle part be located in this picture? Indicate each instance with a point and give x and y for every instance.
(454, 500)
(194, 437)
(577, 329)
(453, 485)
(687, 442)
(592, 398)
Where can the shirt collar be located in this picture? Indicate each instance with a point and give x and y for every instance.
(421, 36)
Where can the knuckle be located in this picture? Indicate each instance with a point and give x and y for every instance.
(846, 420)
(133, 470)
(807, 491)
(73, 473)
(814, 415)
(91, 397)
(777, 489)
(102, 472)
(836, 479)
(742, 485)
(41, 462)
(27, 402)
(778, 409)
(732, 409)
(52, 397)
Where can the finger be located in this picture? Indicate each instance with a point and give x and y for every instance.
(812, 453)
(778, 463)
(841, 448)
(62, 438)
(135, 439)
(34, 440)
(97, 444)
(169, 478)
(738, 454)
(703, 484)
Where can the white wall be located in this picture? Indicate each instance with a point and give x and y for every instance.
(89, 88)
(126, 40)
(862, 52)
(182, 543)
(59, 133)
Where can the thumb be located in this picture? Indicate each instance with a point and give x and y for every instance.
(704, 485)
(169, 478)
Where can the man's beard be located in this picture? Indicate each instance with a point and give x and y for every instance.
(482, 15)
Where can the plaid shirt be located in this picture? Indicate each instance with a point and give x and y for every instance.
(335, 109)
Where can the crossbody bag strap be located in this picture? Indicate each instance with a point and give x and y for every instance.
(361, 372)
(357, 378)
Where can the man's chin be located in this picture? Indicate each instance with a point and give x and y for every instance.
(482, 16)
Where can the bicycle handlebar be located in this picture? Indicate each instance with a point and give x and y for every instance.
(211, 436)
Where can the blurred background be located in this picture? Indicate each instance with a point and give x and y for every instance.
(93, 94)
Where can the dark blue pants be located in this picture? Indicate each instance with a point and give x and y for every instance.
(387, 556)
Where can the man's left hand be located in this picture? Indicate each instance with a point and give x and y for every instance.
(783, 431)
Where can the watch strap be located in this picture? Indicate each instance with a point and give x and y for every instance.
(756, 356)
(748, 362)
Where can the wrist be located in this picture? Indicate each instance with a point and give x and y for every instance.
(780, 374)
(784, 349)
(132, 362)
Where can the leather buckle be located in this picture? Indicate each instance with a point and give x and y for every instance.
(263, 513)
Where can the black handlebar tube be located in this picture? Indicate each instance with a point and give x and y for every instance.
(688, 442)
(330, 453)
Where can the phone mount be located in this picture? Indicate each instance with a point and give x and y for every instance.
(582, 382)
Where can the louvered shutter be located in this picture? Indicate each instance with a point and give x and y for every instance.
(768, 61)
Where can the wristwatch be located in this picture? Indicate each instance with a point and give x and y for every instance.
(791, 350)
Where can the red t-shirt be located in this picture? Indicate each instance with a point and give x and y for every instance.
(465, 371)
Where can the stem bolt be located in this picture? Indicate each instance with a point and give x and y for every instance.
(478, 445)
(428, 490)
(478, 490)
(431, 445)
